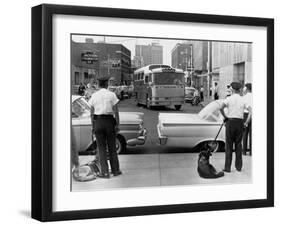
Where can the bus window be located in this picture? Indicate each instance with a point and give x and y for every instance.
(167, 78)
(146, 79)
(150, 78)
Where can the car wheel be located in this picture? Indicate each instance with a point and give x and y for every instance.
(177, 107)
(120, 144)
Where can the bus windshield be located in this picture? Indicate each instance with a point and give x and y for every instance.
(168, 78)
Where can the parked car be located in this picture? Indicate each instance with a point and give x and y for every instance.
(124, 91)
(190, 94)
(192, 130)
(132, 131)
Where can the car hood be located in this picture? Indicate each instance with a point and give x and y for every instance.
(182, 119)
(125, 118)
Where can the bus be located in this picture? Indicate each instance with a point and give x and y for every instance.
(159, 85)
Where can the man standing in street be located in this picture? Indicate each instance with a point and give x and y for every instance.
(247, 129)
(202, 93)
(216, 91)
(105, 125)
(81, 89)
(235, 105)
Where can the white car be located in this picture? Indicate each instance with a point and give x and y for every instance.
(192, 130)
(131, 127)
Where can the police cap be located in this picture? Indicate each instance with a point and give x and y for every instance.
(103, 78)
(236, 85)
(249, 86)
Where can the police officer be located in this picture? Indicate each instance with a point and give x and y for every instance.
(234, 126)
(105, 123)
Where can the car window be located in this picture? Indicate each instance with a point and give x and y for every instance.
(80, 107)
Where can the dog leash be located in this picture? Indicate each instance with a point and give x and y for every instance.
(218, 134)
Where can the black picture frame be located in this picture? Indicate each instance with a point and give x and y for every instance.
(42, 111)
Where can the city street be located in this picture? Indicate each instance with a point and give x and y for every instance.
(154, 165)
(150, 122)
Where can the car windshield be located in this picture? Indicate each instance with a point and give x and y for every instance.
(211, 112)
(80, 107)
(168, 78)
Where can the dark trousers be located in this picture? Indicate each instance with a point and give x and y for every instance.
(247, 133)
(234, 133)
(216, 96)
(106, 141)
(202, 96)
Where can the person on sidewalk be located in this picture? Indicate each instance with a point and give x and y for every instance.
(105, 126)
(248, 128)
(235, 105)
(228, 91)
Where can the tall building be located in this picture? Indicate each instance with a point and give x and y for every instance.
(148, 54)
(231, 62)
(181, 56)
(191, 57)
(91, 60)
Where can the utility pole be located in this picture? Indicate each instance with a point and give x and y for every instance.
(107, 64)
(191, 64)
(209, 68)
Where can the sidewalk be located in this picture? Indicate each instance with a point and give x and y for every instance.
(149, 170)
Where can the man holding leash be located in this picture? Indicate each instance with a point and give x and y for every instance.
(105, 125)
(234, 123)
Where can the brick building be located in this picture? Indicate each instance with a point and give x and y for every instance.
(91, 60)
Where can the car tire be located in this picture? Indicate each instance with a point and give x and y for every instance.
(177, 107)
(120, 144)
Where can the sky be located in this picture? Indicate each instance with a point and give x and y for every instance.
(130, 42)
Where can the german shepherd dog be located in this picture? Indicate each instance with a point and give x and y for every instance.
(205, 169)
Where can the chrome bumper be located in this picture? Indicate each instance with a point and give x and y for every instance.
(162, 139)
(140, 140)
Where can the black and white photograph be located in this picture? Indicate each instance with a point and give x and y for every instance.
(146, 112)
(153, 112)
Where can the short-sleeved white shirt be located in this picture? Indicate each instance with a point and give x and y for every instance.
(235, 106)
(248, 101)
(103, 102)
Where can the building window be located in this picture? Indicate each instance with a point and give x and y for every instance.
(77, 78)
(86, 77)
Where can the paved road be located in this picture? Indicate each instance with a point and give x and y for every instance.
(150, 122)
